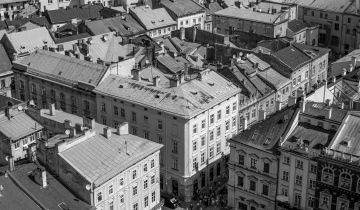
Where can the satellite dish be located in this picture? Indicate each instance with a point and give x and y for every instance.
(88, 187)
(67, 132)
(20, 108)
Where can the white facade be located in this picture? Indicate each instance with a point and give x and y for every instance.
(192, 20)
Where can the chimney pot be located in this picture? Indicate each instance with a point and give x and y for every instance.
(52, 110)
(89, 122)
(344, 72)
(107, 132)
(123, 129)
(156, 81)
(72, 132)
(79, 127)
(328, 112)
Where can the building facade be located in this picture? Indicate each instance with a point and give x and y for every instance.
(194, 141)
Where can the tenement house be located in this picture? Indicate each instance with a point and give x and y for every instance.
(6, 75)
(253, 161)
(111, 169)
(48, 77)
(298, 166)
(191, 116)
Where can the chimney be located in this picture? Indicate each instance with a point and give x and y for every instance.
(353, 58)
(60, 47)
(156, 81)
(86, 48)
(74, 48)
(174, 81)
(302, 105)
(351, 68)
(344, 72)
(89, 122)
(77, 55)
(278, 105)
(244, 123)
(79, 128)
(262, 114)
(123, 129)
(72, 132)
(182, 33)
(90, 40)
(99, 61)
(52, 110)
(105, 37)
(194, 34)
(43, 179)
(136, 74)
(11, 163)
(328, 112)
(292, 101)
(327, 101)
(334, 79)
(107, 132)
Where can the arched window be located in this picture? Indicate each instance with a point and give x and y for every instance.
(52, 94)
(354, 32)
(43, 91)
(22, 86)
(73, 101)
(87, 105)
(345, 181)
(327, 176)
(33, 88)
(62, 97)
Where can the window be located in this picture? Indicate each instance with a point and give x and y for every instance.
(194, 145)
(99, 196)
(146, 201)
(17, 145)
(345, 181)
(299, 79)
(227, 126)
(175, 164)
(326, 16)
(153, 197)
(211, 134)
(252, 185)
(321, 15)
(294, 82)
(134, 190)
(298, 179)
(208, 27)
(253, 113)
(349, 20)
(146, 134)
(311, 202)
(336, 26)
(218, 131)
(234, 122)
(134, 130)
(234, 106)
(159, 31)
(50, 1)
(111, 189)
(286, 160)
(160, 138)
(241, 159)
(134, 174)
(145, 167)
(266, 168)
(194, 129)
(312, 13)
(43, 90)
(159, 125)
(199, 19)
(285, 175)
(116, 111)
(202, 124)
(312, 184)
(146, 119)
(284, 191)
(297, 200)
(253, 163)
(195, 164)
(121, 182)
(175, 147)
(202, 157)
(133, 116)
(265, 190)
(211, 119)
(306, 75)
(337, 18)
(240, 182)
(103, 107)
(299, 164)
(181, 23)
(327, 176)
(218, 147)
(122, 199)
(24, 141)
(135, 206)
(186, 22)
(313, 168)
(153, 179)
(152, 163)
(211, 152)
(227, 110)
(22, 86)
(203, 140)
(122, 112)
(194, 21)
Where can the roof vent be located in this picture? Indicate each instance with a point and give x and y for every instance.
(157, 96)
(344, 143)
(60, 72)
(121, 86)
(211, 84)
(161, 20)
(90, 80)
(153, 22)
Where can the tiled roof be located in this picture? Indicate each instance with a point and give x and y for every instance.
(292, 57)
(298, 25)
(128, 26)
(108, 51)
(86, 12)
(72, 38)
(246, 14)
(5, 63)
(99, 159)
(265, 134)
(152, 19)
(182, 7)
(352, 8)
(187, 100)
(173, 64)
(325, 5)
(317, 110)
(314, 136)
(63, 68)
(41, 21)
(202, 51)
(274, 45)
(12, 197)
(183, 46)
(212, 7)
(262, 65)
(51, 196)
(5, 99)
(147, 74)
(275, 78)
(169, 45)
(67, 26)
(347, 57)
(28, 41)
(347, 137)
(18, 126)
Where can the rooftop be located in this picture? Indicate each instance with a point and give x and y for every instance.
(4, 102)
(53, 195)
(63, 68)
(211, 8)
(317, 110)
(11, 1)
(19, 119)
(187, 100)
(274, 77)
(347, 58)
(347, 136)
(72, 38)
(12, 197)
(325, 5)
(41, 21)
(246, 14)
(308, 138)
(99, 159)
(183, 46)
(274, 45)
(125, 24)
(25, 41)
(182, 7)
(147, 74)
(173, 64)
(152, 19)
(86, 12)
(265, 134)
(299, 25)
(5, 63)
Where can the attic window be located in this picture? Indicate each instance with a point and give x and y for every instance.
(60, 72)
(344, 143)
(121, 86)
(161, 20)
(267, 142)
(22, 47)
(90, 80)
(153, 22)
(211, 84)
(45, 42)
(194, 92)
(157, 96)
(254, 136)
